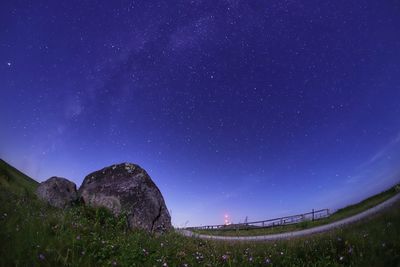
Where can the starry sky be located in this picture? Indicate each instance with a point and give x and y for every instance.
(248, 108)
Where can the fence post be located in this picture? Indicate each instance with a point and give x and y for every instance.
(312, 214)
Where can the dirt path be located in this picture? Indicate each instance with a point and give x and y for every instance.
(305, 232)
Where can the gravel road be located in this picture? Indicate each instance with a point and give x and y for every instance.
(305, 232)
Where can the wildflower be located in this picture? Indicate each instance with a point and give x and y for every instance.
(251, 259)
(165, 264)
(350, 250)
(281, 252)
(162, 244)
(225, 257)
(5, 214)
(42, 257)
(78, 237)
(383, 245)
(341, 258)
(185, 265)
(83, 253)
(199, 256)
(114, 263)
(267, 261)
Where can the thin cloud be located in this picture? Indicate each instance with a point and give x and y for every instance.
(382, 152)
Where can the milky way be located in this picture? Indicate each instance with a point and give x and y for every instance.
(251, 108)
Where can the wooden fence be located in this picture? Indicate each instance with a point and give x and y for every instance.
(293, 219)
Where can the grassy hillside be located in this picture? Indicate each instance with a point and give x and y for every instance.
(365, 204)
(14, 180)
(34, 234)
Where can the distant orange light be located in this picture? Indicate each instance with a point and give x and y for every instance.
(226, 220)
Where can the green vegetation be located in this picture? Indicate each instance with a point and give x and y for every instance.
(34, 234)
(338, 215)
(15, 181)
(363, 205)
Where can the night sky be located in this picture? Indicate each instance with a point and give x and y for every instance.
(250, 108)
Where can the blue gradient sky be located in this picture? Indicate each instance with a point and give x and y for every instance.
(251, 108)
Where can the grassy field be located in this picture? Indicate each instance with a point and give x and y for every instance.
(34, 234)
(339, 214)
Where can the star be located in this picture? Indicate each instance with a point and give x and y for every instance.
(191, 91)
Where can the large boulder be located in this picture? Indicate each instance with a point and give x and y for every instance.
(58, 192)
(127, 188)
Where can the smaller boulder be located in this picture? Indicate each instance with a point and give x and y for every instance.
(58, 192)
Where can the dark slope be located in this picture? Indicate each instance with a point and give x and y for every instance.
(15, 180)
